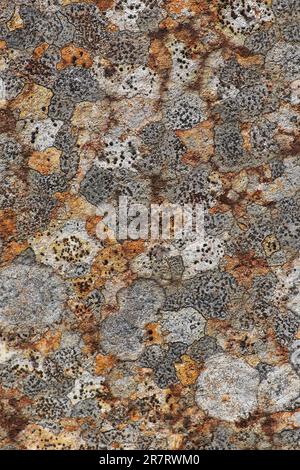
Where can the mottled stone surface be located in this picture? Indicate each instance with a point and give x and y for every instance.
(134, 341)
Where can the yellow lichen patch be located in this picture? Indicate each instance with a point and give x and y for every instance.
(68, 2)
(74, 56)
(16, 21)
(248, 61)
(45, 162)
(103, 364)
(187, 371)
(50, 342)
(34, 437)
(34, 101)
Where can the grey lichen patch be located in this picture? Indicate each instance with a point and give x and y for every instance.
(31, 296)
(227, 388)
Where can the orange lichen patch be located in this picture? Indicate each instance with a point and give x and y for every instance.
(91, 224)
(45, 162)
(181, 6)
(187, 371)
(245, 131)
(111, 27)
(7, 223)
(153, 334)
(199, 137)
(34, 100)
(159, 56)
(2, 45)
(168, 23)
(74, 56)
(50, 342)
(245, 267)
(133, 248)
(40, 50)
(109, 261)
(16, 21)
(83, 285)
(12, 250)
(104, 5)
(103, 364)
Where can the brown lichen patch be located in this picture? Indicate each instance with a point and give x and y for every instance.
(33, 101)
(104, 364)
(12, 419)
(7, 121)
(45, 162)
(49, 343)
(72, 55)
(245, 267)
(187, 371)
